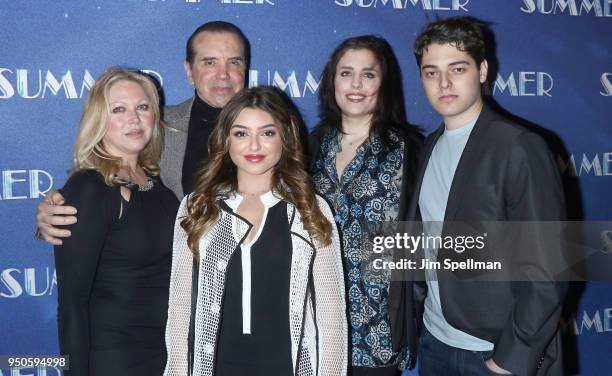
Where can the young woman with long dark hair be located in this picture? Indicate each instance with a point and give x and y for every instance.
(265, 295)
(364, 161)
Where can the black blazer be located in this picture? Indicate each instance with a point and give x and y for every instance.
(506, 173)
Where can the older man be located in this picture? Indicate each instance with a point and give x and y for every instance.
(216, 60)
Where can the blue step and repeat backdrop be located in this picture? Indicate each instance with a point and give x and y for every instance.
(553, 69)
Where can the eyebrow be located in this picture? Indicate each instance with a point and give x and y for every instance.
(208, 58)
(122, 101)
(373, 68)
(451, 64)
(460, 62)
(260, 128)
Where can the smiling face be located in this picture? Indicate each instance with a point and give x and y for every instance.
(357, 83)
(452, 82)
(255, 144)
(218, 68)
(131, 119)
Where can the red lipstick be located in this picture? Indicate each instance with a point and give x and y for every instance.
(254, 157)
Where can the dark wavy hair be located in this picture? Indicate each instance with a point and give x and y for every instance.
(465, 33)
(218, 177)
(390, 114)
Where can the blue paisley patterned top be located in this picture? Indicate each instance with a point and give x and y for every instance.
(367, 192)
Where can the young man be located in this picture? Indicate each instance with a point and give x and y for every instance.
(216, 60)
(480, 166)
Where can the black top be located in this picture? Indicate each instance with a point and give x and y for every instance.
(201, 122)
(113, 278)
(267, 349)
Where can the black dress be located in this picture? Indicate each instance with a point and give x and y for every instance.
(113, 278)
(261, 346)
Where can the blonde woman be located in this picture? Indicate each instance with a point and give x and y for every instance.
(113, 272)
(266, 293)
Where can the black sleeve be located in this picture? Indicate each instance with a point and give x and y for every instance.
(76, 262)
(534, 193)
(314, 144)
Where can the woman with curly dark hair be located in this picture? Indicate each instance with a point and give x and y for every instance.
(364, 162)
(259, 252)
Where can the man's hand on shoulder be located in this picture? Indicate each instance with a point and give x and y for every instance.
(52, 212)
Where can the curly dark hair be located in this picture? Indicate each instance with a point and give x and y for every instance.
(465, 33)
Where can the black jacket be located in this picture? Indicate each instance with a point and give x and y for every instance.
(506, 173)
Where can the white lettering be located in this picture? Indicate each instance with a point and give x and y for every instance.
(312, 84)
(570, 7)
(501, 85)
(13, 287)
(542, 78)
(88, 82)
(253, 78)
(526, 88)
(6, 89)
(247, 2)
(39, 183)
(403, 4)
(523, 80)
(22, 84)
(565, 4)
(397, 4)
(291, 83)
(531, 7)
(589, 5)
(40, 371)
(30, 282)
(541, 7)
(591, 322)
(607, 164)
(594, 166)
(35, 183)
(7, 184)
(344, 3)
(605, 81)
(67, 83)
(49, 84)
(587, 165)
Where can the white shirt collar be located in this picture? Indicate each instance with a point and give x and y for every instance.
(268, 199)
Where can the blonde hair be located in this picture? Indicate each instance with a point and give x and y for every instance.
(89, 152)
(218, 176)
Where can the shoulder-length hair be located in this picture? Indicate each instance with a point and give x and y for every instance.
(218, 177)
(389, 114)
(89, 151)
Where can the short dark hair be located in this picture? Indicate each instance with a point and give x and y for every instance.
(218, 27)
(465, 33)
(389, 114)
